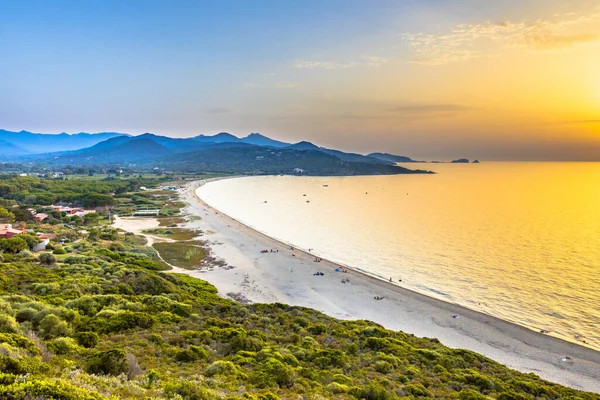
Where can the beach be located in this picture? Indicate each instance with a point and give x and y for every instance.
(290, 276)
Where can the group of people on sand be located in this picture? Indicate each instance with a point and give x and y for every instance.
(318, 274)
(269, 251)
(318, 259)
(345, 280)
(379, 297)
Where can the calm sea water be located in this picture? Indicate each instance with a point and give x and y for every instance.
(520, 241)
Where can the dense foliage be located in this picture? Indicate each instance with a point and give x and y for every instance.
(104, 320)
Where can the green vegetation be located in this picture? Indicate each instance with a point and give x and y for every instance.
(182, 254)
(173, 233)
(170, 221)
(105, 321)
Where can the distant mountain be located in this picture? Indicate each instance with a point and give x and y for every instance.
(460, 161)
(10, 149)
(391, 157)
(264, 160)
(304, 145)
(223, 152)
(45, 143)
(222, 137)
(117, 151)
(351, 157)
(260, 140)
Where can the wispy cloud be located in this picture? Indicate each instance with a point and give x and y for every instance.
(431, 109)
(248, 85)
(491, 39)
(368, 61)
(218, 111)
(286, 85)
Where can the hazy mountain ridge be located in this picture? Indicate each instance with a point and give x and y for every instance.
(222, 152)
(38, 143)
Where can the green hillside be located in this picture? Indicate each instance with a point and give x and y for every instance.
(101, 319)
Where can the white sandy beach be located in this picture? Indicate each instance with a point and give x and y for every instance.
(287, 277)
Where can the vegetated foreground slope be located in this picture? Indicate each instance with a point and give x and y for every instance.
(100, 319)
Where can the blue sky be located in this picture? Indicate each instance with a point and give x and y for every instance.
(356, 75)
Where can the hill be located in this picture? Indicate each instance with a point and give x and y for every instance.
(222, 152)
(261, 160)
(391, 157)
(46, 143)
(260, 140)
(9, 149)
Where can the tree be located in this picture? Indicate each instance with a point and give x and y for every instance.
(98, 200)
(14, 244)
(6, 216)
(91, 218)
(47, 259)
(31, 240)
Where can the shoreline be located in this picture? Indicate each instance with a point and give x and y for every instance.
(287, 277)
(513, 345)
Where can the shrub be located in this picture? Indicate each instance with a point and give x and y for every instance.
(87, 339)
(383, 367)
(47, 259)
(471, 394)
(60, 250)
(273, 373)
(63, 345)
(221, 368)
(51, 326)
(111, 362)
(185, 389)
(8, 324)
(337, 388)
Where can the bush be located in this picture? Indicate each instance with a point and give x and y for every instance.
(111, 362)
(273, 373)
(8, 324)
(60, 250)
(51, 326)
(221, 368)
(63, 345)
(87, 339)
(185, 389)
(47, 259)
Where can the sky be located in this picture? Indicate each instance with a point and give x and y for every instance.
(430, 79)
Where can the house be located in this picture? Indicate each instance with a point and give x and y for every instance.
(39, 217)
(7, 231)
(44, 240)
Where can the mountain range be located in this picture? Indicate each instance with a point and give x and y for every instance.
(222, 152)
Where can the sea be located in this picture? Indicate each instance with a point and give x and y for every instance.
(516, 240)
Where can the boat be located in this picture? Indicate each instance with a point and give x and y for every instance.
(325, 185)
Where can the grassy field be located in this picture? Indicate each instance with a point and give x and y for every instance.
(173, 233)
(170, 221)
(187, 255)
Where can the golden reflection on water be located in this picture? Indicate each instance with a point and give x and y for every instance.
(520, 241)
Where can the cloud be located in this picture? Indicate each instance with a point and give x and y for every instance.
(248, 85)
(366, 61)
(489, 39)
(286, 85)
(218, 111)
(430, 109)
(374, 61)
